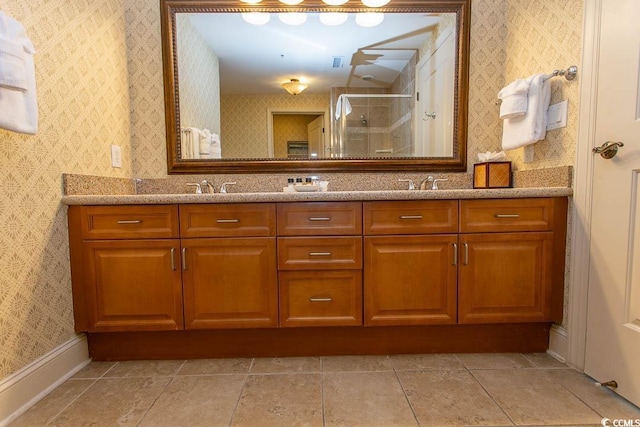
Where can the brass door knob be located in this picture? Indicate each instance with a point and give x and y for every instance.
(608, 150)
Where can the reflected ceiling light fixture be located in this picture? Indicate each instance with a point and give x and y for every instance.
(294, 86)
(295, 18)
(373, 3)
(333, 18)
(369, 19)
(335, 2)
(256, 18)
(251, 1)
(291, 2)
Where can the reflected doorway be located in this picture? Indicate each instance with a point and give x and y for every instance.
(290, 130)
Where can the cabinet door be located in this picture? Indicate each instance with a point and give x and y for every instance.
(133, 285)
(230, 283)
(410, 280)
(505, 277)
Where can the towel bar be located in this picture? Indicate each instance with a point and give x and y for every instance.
(570, 74)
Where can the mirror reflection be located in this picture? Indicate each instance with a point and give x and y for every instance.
(260, 86)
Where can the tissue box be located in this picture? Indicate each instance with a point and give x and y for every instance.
(492, 175)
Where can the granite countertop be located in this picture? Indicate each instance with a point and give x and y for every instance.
(148, 199)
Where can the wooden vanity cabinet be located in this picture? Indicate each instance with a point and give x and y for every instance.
(511, 260)
(320, 264)
(125, 268)
(229, 266)
(410, 270)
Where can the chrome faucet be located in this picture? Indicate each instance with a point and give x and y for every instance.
(207, 186)
(195, 184)
(412, 186)
(223, 187)
(424, 182)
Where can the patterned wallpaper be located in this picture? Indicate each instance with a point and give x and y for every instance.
(82, 87)
(99, 77)
(289, 127)
(199, 79)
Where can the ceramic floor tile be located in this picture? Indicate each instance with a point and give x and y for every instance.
(196, 401)
(356, 363)
(93, 370)
(450, 398)
(280, 400)
(543, 360)
(601, 399)
(109, 402)
(404, 362)
(215, 366)
(528, 397)
(278, 365)
(45, 410)
(494, 361)
(365, 399)
(144, 368)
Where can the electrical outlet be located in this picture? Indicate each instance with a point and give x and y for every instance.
(528, 154)
(557, 115)
(116, 156)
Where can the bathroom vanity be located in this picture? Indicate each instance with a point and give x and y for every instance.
(334, 273)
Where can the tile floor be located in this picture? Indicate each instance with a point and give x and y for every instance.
(399, 390)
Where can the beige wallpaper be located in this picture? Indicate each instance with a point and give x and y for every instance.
(99, 77)
(289, 127)
(199, 79)
(82, 87)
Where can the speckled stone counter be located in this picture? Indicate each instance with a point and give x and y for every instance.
(147, 199)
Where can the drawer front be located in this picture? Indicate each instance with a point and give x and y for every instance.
(319, 219)
(228, 220)
(129, 222)
(502, 215)
(320, 298)
(411, 217)
(307, 253)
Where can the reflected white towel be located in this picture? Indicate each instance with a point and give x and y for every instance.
(18, 101)
(347, 106)
(525, 130)
(514, 99)
(205, 142)
(190, 143)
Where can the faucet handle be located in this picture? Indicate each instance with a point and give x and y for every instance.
(436, 181)
(207, 186)
(223, 187)
(197, 185)
(412, 186)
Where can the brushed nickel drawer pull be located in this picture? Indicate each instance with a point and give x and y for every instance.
(319, 253)
(320, 218)
(410, 216)
(184, 258)
(507, 216)
(130, 221)
(455, 253)
(173, 259)
(227, 221)
(320, 299)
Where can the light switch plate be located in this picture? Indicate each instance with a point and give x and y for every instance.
(557, 115)
(116, 156)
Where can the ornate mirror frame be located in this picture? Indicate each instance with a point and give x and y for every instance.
(176, 165)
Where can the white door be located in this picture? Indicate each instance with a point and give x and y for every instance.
(434, 117)
(613, 312)
(315, 136)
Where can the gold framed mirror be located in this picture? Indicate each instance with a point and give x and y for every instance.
(378, 79)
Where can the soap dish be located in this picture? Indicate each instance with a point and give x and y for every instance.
(307, 188)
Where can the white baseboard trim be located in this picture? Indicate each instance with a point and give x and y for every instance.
(24, 388)
(558, 343)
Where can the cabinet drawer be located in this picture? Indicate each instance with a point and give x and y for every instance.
(228, 220)
(413, 217)
(500, 215)
(319, 218)
(320, 298)
(129, 222)
(306, 253)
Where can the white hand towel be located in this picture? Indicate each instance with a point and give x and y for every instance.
(514, 99)
(18, 102)
(347, 106)
(525, 130)
(190, 143)
(205, 142)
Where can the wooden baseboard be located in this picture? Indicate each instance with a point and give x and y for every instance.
(281, 342)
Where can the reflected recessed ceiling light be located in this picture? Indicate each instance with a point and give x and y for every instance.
(251, 1)
(335, 2)
(374, 3)
(333, 18)
(293, 18)
(369, 19)
(256, 18)
(291, 2)
(294, 86)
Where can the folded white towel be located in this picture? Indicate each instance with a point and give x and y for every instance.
(18, 101)
(514, 99)
(205, 142)
(347, 106)
(190, 143)
(525, 130)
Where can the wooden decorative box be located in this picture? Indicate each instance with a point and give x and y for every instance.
(492, 175)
